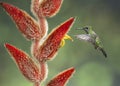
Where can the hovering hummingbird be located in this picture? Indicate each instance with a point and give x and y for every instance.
(92, 38)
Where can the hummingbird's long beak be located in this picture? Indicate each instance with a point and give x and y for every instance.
(83, 29)
(79, 29)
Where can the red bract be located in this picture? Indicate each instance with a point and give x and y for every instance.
(62, 78)
(51, 45)
(35, 7)
(50, 8)
(46, 8)
(28, 68)
(26, 24)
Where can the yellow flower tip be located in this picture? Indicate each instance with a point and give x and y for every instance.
(63, 40)
(68, 37)
(62, 43)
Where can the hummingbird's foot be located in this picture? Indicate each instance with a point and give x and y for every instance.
(63, 40)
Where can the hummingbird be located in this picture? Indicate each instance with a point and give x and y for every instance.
(92, 38)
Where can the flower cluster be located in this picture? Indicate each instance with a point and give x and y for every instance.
(44, 46)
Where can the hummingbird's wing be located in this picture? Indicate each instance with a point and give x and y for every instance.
(85, 37)
(96, 43)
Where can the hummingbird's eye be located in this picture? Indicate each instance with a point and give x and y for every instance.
(86, 28)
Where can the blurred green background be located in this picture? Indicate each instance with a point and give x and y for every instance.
(92, 69)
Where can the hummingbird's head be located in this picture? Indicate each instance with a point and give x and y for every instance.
(86, 29)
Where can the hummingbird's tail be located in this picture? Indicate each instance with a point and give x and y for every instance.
(103, 51)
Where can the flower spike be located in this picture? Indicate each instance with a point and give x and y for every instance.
(26, 65)
(51, 45)
(25, 23)
(44, 47)
(62, 78)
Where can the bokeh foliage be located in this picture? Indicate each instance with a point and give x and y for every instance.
(92, 69)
